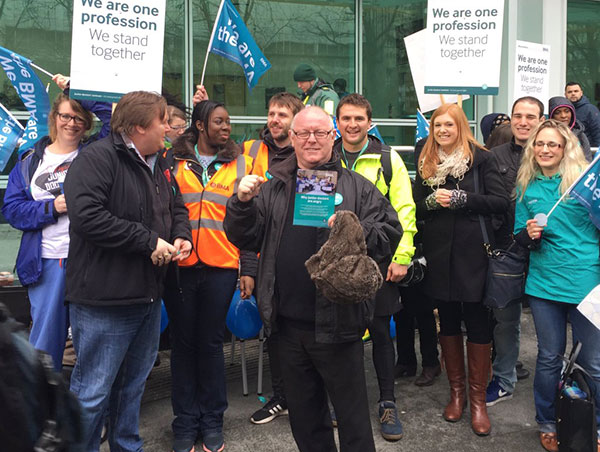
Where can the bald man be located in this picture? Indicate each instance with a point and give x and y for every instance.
(321, 347)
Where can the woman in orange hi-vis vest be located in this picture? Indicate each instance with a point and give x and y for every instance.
(208, 167)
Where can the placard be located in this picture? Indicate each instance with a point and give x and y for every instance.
(314, 200)
(532, 71)
(464, 46)
(117, 47)
(416, 50)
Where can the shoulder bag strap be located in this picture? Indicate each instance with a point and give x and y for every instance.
(486, 239)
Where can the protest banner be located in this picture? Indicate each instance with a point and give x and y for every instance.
(586, 190)
(116, 48)
(416, 50)
(422, 130)
(10, 132)
(532, 71)
(32, 92)
(231, 39)
(464, 45)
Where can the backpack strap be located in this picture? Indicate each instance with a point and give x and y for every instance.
(386, 164)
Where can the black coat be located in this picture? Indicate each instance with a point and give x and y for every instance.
(258, 225)
(453, 240)
(118, 208)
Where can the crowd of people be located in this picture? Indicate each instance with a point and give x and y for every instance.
(165, 205)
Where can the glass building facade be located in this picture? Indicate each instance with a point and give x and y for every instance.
(359, 41)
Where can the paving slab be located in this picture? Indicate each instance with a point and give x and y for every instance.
(513, 421)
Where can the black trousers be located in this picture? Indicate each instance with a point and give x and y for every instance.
(275, 364)
(418, 310)
(310, 372)
(383, 356)
(475, 315)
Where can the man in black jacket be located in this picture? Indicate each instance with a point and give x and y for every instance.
(128, 221)
(321, 350)
(587, 113)
(527, 112)
(273, 147)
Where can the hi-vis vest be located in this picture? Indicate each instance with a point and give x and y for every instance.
(258, 150)
(206, 206)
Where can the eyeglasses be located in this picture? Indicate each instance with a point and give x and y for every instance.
(181, 127)
(319, 134)
(551, 145)
(66, 118)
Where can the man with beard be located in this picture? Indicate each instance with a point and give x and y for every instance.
(274, 146)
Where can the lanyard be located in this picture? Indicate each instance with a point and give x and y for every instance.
(364, 148)
(205, 177)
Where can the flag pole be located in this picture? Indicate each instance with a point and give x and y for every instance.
(212, 35)
(41, 69)
(568, 190)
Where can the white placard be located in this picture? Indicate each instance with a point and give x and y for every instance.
(416, 49)
(532, 71)
(117, 47)
(590, 306)
(464, 46)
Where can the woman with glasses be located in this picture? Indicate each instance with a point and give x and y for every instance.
(208, 167)
(34, 203)
(563, 263)
(458, 181)
(177, 124)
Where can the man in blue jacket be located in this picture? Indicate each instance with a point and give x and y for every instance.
(585, 112)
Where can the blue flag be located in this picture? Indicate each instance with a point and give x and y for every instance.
(31, 91)
(587, 190)
(422, 127)
(10, 132)
(231, 39)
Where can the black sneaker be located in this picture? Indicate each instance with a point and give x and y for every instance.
(277, 406)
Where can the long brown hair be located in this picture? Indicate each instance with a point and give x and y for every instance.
(429, 160)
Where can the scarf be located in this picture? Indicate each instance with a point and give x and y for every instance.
(454, 165)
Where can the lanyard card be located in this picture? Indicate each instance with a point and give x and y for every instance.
(314, 200)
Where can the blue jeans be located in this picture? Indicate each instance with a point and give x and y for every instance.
(48, 311)
(507, 334)
(116, 348)
(197, 324)
(550, 319)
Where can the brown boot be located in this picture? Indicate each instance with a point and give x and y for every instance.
(454, 359)
(479, 359)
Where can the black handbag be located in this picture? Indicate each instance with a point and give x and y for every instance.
(416, 269)
(506, 273)
(575, 409)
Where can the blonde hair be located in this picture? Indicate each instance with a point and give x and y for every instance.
(429, 160)
(570, 167)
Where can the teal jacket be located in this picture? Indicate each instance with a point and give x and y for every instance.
(565, 266)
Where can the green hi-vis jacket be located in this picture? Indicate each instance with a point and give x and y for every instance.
(399, 192)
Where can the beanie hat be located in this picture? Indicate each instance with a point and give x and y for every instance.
(490, 122)
(304, 73)
(341, 269)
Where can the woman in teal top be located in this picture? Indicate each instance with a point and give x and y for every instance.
(564, 263)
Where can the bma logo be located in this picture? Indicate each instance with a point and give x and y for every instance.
(219, 186)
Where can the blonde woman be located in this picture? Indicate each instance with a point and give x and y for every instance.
(449, 201)
(564, 265)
